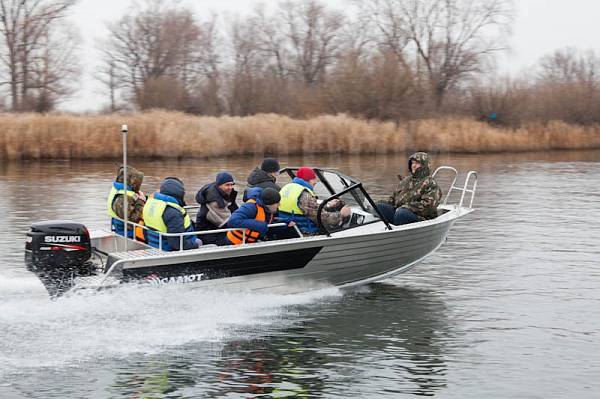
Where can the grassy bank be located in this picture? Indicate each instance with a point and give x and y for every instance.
(176, 135)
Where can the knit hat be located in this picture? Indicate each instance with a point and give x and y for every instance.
(270, 165)
(270, 196)
(306, 173)
(224, 177)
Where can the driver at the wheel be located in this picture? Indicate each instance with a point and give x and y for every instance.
(299, 204)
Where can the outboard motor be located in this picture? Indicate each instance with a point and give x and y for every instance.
(57, 251)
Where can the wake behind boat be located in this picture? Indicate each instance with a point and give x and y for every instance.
(67, 256)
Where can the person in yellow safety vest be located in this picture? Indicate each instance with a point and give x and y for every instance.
(254, 216)
(165, 213)
(299, 204)
(136, 200)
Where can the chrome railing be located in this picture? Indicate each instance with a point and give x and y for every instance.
(468, 187)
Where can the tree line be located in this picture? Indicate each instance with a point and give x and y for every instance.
(378, 59)
(37, 53)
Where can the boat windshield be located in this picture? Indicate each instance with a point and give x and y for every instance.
(336, 190)
(359, 208)
(330, 182)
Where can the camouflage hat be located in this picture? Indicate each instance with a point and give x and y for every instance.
(423, 159)
(134, 177)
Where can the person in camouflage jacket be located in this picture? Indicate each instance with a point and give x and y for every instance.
(332, 215)
(417, 196)
(135, 204)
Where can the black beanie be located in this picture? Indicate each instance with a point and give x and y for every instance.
(270, 165)
(270, 196)
(224, 177)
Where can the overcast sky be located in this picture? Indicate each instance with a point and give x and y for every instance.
(541, 26)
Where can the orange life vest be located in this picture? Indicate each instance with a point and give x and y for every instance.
(236, 237)
(139, 232)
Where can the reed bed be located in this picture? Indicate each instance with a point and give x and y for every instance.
(161, 134)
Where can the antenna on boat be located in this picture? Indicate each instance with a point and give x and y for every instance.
(124, 130)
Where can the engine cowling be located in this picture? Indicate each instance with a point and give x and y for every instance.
(57, 251)
(59, 243)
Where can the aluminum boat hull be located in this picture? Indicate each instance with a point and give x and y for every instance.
(358, 256)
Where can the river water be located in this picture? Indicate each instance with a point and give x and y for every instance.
(509, 307)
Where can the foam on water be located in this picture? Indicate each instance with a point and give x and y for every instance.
(13, 285)
(37, 332)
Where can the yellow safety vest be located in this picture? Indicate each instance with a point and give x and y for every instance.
(290, 193)
(111, 198)
(153, 213)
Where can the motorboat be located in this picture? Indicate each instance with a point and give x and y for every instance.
(68, 256)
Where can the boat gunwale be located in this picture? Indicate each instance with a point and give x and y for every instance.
(267, 247)
(448, 216)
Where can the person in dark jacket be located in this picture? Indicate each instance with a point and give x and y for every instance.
(255, 215)
(264, 176)
(164, 212)
(217, 203)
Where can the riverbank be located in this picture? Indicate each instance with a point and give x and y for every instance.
(161, 134)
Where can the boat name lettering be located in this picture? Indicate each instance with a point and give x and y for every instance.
(188, 278)
(62, 239)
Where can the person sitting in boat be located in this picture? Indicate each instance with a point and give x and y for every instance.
(255, 215)
(136, 200)
(165, 213)
(417, 196)
(299, 204)
(264, 176)
(217, 203)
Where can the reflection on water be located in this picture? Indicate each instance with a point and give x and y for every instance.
(508, 307)
(332, 341)
(341, 340)
(338, 346)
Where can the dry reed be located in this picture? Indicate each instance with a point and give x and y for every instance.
(160, 134)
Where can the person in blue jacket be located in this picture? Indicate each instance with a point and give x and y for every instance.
(255, 215)
(164, 212)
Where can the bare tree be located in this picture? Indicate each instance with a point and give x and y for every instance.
(246, 69)
(208, 72)
(313, 34)
(147, 47)
(53, 69)
(375, 86)
(279, 59)
(159, 55)
(388, 24)
(271, 40)
(501, 100)
(27, 28)
(568, 86)
(451, 39)
(569, 65)
(107, 76)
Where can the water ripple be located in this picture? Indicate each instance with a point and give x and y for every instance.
(509, 307)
